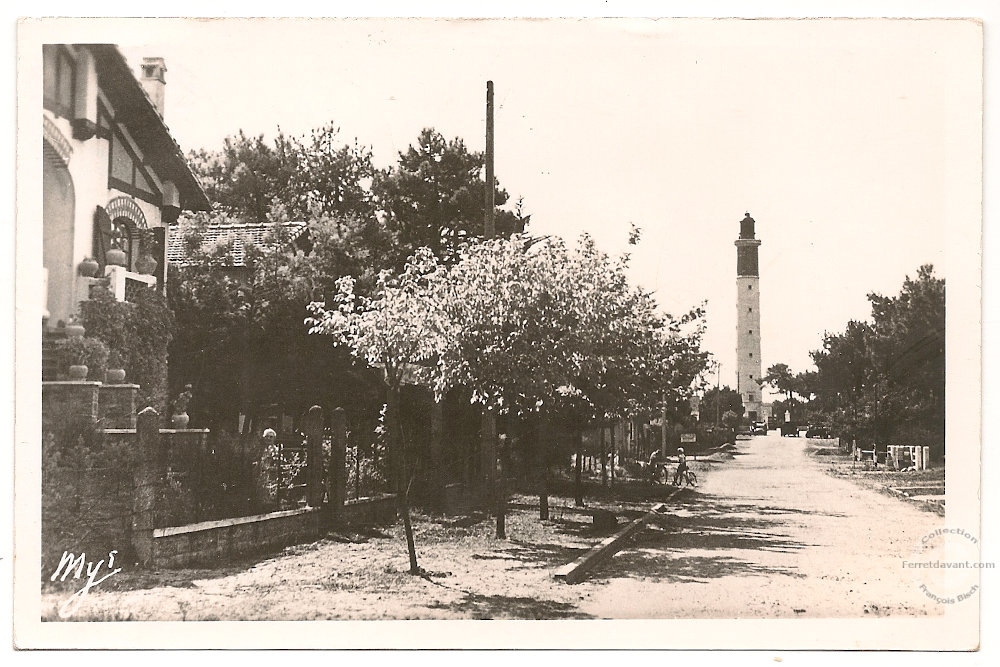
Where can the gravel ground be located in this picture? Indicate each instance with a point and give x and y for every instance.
(364, 575)
(768, 534)
(926, 485)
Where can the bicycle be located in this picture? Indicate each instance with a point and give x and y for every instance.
(688, 478)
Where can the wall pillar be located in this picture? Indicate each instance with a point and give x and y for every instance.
(147, 474)
(313, 429)
(336, 475)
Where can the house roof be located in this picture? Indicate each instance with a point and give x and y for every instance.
(237, 235)
(134, 108)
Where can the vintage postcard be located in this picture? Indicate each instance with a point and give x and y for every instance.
(612, 333)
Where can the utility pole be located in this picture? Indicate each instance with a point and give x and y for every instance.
(494, 496)
(490, 223)
(718, 396)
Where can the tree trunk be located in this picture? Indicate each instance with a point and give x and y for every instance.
(613, 454)
(437, 458)
(604, 459)
(394, 426)
(394, 444)
(541, 450)
(411, 548)
(488, 440)
(501, 491)
(578, 482)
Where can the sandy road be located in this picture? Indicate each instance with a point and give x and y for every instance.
(770, 534)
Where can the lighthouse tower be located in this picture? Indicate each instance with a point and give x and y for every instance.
(748, 320)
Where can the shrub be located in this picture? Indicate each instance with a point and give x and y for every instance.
(86, 351)
(140, 331)
(115, 360)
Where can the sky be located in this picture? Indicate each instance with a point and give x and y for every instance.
(838, 137)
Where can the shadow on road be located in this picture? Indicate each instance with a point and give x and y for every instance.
(669, 549)
(665, 567)
(533, 556)
(473, 605)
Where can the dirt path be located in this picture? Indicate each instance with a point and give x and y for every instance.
(768, 534)
(771, 535)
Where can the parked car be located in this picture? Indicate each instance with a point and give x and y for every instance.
(788, 429)
(760, 428)
(818, 431)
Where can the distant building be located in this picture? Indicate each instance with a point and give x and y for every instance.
(234, 237)
(748, 320)
(696, 408)
(113, 178)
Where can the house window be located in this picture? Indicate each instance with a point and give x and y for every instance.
(751, 354)
(750, 332)
(122, 234)
(749, 310)
(749, 287)
(58, 79)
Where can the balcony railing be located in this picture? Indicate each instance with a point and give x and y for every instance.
(116, 279)
(120, 278)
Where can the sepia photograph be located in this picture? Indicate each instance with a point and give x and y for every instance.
(671, 323)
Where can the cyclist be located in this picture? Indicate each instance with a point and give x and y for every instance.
(655, 467)
(682, 466)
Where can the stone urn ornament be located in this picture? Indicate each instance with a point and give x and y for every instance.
(115, 257)
(88, 267)
(74, 329)
(180, 418)
(78, 372)
(116, 371)
(146, 265)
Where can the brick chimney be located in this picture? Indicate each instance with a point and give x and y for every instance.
(154, 80)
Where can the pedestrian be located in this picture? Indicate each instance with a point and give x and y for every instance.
(681, 465)
(268, 469)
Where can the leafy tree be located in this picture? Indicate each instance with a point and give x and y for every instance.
(805, 384)
(240, 334)
(730, 419)
(398, 331)
(884, 380)
(530, 329)
(908, 356)
(245, 176)
(780, 377)
(309, 176)
(435, 197)
(794, 408)
(718, 401)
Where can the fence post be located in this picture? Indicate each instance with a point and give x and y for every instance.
(336, 473)
(314, 461)
(146, 475)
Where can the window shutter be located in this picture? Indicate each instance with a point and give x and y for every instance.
(159, 253)
(102, 234)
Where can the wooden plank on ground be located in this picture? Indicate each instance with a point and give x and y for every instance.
(573, 572)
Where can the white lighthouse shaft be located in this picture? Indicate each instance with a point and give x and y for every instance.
(748, 362)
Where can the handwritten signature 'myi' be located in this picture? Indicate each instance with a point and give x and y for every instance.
(68, 563)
